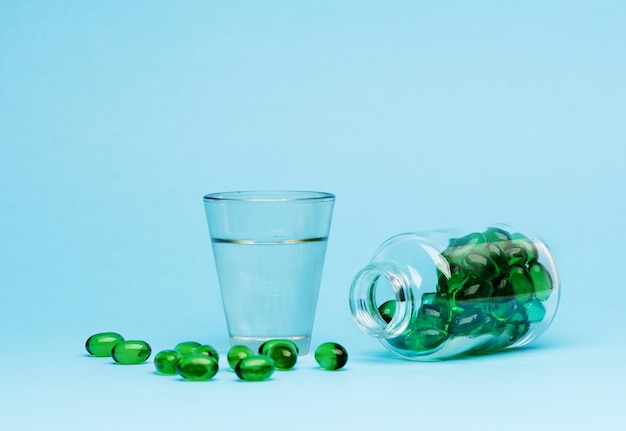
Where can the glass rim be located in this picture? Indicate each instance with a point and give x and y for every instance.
(269, 196)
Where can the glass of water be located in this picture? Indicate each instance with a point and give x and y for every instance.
(269, 249)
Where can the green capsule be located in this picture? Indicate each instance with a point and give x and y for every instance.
(468, 240)
(166, 361)
(474, 290)
(102, 344)
(522, 284)
(197, 367)
(479, 265)
(205, 349)
(387, 309)
(502, 307)
(454, 256)
(542, 282)
(283, 353)
(516, 254)
(496, 253)
(495, 234)
(131, 352)
(536, 311)
(331, 356)
(187, 347)
(237, 353)
(515, 331)
(264, 348)
(470, 321)
(432, 316)
(420, 339)
(255, 368)
(503, 288)
(526, 243)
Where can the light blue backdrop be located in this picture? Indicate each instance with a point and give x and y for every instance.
(116, 117)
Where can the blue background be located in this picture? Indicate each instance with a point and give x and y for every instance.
(116, 117)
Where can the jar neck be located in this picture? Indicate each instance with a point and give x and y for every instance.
(364, 306)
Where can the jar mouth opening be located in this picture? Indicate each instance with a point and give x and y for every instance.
(364, 304)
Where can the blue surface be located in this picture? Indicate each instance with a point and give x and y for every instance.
(117, 117)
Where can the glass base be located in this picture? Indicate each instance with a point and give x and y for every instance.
(254, 343)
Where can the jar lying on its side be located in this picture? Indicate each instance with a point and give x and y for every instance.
(454, 292)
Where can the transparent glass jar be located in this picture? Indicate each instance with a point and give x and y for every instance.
(446, 293)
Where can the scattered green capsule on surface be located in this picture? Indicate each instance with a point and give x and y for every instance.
(166, 361)
(542, 282)
(255, 368)
(101, 344)
(131, 352)
(522, 284)
(197, 367)
(206, 349)
(264, 348)
(283, 355)
(187, 347)
(387, 309)
(237, 353)
(331, 356)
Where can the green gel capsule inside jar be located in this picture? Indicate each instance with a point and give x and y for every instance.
(255, 368)
(237, 353)
(131, 352)
(387, 309)
(456, 292)
(197, 367)
(331, 356)
(166, 362)
(187, 347)
(101, 344)
(542, 284)
(522, 284)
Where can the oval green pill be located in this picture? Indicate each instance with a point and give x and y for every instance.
(522, 284)
(266, 346)
(187, 347)
(206, 349)
(283, 354)
(166, 361)
(331, 356)
(237, 353)
(387, 309)
(542, 282)
(255, 368)
(131, 352)
(197, 367)
(101, 344)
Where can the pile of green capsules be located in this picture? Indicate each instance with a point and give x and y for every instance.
(199, 362)
(495, 285)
